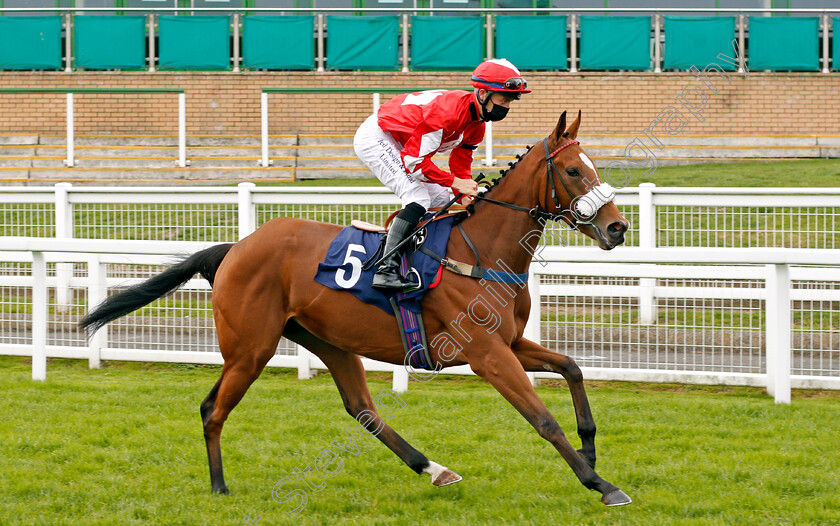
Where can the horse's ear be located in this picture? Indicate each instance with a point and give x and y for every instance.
(561, 127)
(573, 128)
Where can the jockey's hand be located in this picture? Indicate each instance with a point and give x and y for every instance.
(466, 200)
(465, 186)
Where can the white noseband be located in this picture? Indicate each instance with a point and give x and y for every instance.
(589, 204)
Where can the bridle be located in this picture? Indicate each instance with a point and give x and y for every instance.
(536, 212)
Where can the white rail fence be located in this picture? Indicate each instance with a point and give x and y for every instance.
(154, 337)
(672, 217)
(709, 308)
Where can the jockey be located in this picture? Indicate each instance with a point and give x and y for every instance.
(398, 142)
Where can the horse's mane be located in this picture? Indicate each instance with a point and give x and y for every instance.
(495, 182)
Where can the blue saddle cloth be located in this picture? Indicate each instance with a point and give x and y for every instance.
(342, 267)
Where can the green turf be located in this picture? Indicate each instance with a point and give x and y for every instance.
(123, 445)
(793, 173)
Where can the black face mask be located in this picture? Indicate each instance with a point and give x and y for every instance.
(496, 114)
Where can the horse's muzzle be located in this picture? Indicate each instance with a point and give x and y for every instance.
(607, 237)
(615, 233)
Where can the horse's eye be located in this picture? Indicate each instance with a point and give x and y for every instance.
(573, 172)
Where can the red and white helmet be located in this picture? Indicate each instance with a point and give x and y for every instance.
(499, 75)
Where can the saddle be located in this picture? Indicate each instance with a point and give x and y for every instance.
(349, 266)
(370, 227)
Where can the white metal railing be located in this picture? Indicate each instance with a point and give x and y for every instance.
(70, 160)
(775, 268)
(660, 216)
(264, 160)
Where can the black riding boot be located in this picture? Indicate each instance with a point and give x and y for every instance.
(388, 275)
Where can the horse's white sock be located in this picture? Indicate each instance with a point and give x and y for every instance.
(434, 469)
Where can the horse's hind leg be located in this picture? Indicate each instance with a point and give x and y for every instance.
(348, 373)
(214, 452)
(534, 357)
(244, 361)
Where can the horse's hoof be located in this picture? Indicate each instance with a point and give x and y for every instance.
(221, 491)
(445, 478)
(616, 498)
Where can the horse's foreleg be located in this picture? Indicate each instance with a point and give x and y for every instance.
(502, 369)
(348, 373)
(535, 357)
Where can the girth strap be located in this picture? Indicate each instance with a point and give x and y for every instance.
(477, 272)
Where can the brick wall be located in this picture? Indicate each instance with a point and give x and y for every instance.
(228, 103)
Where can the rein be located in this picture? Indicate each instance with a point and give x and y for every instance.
(535, 212)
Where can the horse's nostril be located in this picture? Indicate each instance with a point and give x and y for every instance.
(617, 228)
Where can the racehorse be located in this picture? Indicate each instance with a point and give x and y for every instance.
(263, 289)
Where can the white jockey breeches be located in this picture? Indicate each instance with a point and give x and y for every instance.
(381, 153)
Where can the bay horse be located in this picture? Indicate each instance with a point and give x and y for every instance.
(263, 289)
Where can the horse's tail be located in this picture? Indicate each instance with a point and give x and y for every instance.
(205, 262)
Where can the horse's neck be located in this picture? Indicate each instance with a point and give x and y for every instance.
(502, 236)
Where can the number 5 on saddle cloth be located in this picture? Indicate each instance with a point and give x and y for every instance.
(344, 268)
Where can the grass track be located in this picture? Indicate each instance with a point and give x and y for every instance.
(122, 445)
(766, 173)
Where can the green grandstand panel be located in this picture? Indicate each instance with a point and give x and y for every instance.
(194, 42)
(615, 43)
(369, 42)
(30, 42)
(447, 43)
(278, 42)
(784, 43)
(697, 41)
(523, 40)
(835, 53)
(110, 42)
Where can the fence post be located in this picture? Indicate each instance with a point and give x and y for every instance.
(304, 365)
(39, 316)
(376, 102)
(647, 239)
(405, 48)
(400, 382)
(247, 210)
(68, 43)
(647, 216)
(533, 328)
(97, 292)
(182, 130)
(573, 43)
(264, 161)
(320, 23)
(777, 332)
(825, 20)
(488, 144)
(71, 154)
(657, 48)
(236, 42)
(151, 42)
(63, 230)
(489, 32)
(741, 42)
